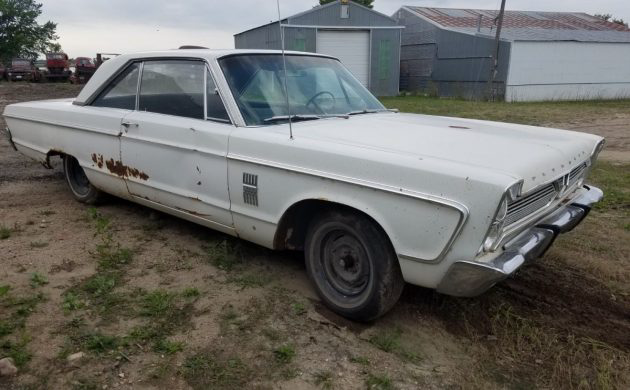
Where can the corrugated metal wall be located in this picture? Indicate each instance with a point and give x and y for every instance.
(448, 63)
(384, 49)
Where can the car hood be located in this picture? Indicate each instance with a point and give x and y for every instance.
(535, 155)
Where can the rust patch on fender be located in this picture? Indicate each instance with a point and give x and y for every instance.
(98, 159)
(118, 168)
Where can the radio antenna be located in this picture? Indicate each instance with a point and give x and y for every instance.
(284, 66)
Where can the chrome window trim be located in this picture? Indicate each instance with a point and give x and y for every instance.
(460, 208)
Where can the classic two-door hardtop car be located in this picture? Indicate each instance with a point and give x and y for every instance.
(375, 198)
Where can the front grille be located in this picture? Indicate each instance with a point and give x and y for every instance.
(543, 196)
(530, 203)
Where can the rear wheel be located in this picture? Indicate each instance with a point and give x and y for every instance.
(353, 265)
(78, 182)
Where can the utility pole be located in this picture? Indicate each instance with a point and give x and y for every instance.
(495, 58)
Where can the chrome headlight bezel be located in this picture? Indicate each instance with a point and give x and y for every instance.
(494, 234)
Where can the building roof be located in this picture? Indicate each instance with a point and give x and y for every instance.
(527, 25)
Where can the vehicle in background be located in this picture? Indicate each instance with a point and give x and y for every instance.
(57, 67)
(84, 69)
(23, 69)
(41, 65)
(101, 57)
(3, 71)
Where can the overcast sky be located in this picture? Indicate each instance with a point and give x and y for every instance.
(86, 27)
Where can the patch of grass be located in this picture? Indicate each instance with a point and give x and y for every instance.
(168, 347)
(86, 384)
(4, 290)
(284, 354)
(360, 360)
(325, 380)
(379, 382)
(298, 308)
(614, 180)
(529, 113)
(191, 293)
(158, 303)
(251, 279)
(387, 340)
(5, 232)
(112, 257)
(72, 302)
(224, 254)
(38, 280)
(100, 343)
(215, 370)
(100, 285)
(39, 244)
(17, 350)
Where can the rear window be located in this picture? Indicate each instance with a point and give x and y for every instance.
(121, 93)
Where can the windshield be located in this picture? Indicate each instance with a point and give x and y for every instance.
(20, 63)
(318, 87)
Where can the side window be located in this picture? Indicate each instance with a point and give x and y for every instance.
(173, 87)
(121, 93)
(216, 109)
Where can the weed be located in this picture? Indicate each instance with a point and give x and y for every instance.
(213, 370)
(87, 384)
(112, 258)
(387, 340)
(71, 302)
(100, 343)
(324, 379)
(191, 293)
(251, 280)
(17, 350)
(100, 285)
(4, 290)
(168, 347)
(5, 232)
(379, 382)
(298, 308)
(158, 304)
(360, 360)
(47, 213)
(38, 280)
(39, 244)
(284, 354)
(224, 255)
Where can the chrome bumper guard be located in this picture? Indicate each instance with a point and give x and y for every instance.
(10, 137)
(470, 278)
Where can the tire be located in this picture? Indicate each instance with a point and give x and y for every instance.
(353, 266)
(79, 185)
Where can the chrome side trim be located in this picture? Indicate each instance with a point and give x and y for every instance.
(461, 209)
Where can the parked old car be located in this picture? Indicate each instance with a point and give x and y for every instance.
(23, 69)
(374, 198)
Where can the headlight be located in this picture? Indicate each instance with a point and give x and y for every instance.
(495, 232)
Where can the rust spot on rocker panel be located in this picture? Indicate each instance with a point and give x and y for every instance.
(118, 168)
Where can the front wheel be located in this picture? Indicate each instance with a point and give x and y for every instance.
(353, 265)
(78, 182)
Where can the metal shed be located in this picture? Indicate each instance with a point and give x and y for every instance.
(366, 41)
(543, 55)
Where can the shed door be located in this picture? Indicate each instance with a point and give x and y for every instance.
(351, 47)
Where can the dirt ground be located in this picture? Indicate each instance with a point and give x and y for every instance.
(150, 301)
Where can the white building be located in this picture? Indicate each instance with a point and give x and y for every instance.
(543, 56)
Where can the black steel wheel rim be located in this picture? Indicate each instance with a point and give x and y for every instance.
(345, 263)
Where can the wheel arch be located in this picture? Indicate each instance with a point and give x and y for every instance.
(293, 225)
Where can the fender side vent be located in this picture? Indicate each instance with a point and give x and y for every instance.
(250, 189)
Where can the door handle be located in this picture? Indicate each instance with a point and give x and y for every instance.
(127, 125)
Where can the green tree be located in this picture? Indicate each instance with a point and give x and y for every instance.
(20, 34)
(365, 3)
(610, 18)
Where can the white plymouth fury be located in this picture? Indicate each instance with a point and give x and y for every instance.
(309, 160)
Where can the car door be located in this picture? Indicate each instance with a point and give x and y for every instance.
(174, 148)
(102, 118)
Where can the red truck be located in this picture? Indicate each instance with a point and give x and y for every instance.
(23, 69)
(84, 69)
(57, 67)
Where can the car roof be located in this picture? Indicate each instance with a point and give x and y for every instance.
(110, 67)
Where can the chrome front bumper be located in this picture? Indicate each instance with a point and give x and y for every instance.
(470, 278)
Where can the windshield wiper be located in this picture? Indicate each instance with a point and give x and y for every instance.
(298, 118)
(366, 111)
